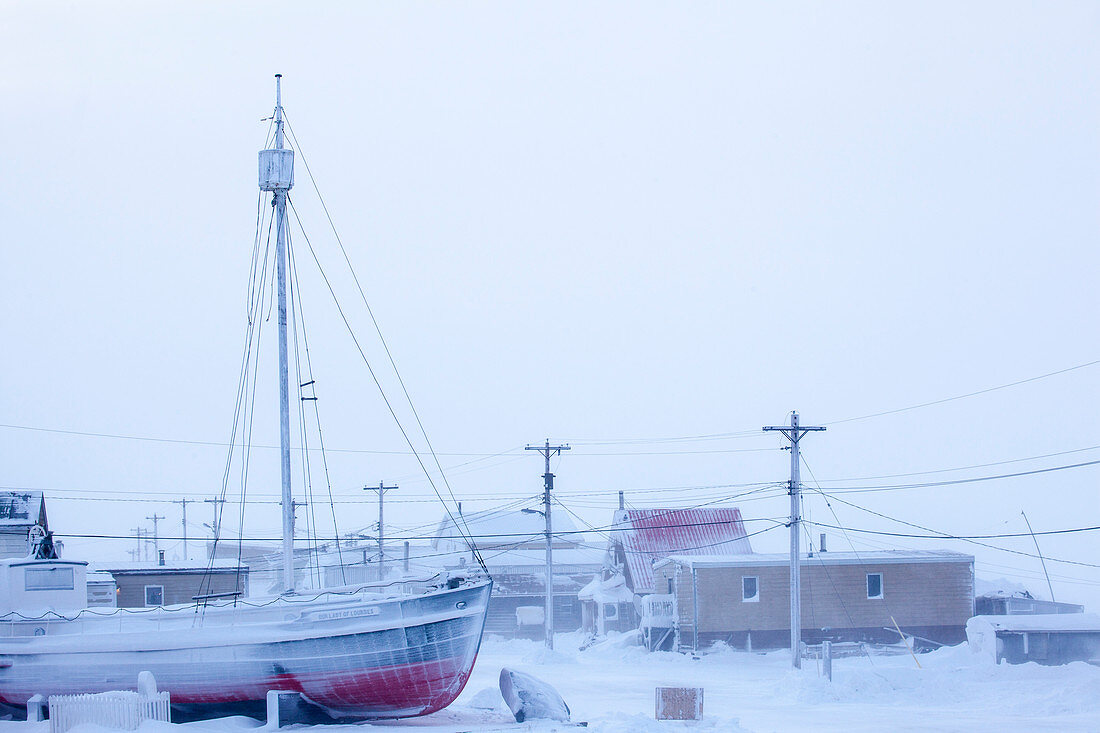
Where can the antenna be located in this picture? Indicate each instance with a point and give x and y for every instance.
(1040, 553)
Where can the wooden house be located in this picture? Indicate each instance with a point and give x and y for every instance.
(144, 584)
(744, 600)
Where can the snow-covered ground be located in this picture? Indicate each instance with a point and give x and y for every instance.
(611, 686)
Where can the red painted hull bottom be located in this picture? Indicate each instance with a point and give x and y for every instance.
(378, 693)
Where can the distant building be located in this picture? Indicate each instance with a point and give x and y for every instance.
(641, 537)
(744, 600)
(143, 584)
(1050, 639)
(20, 512)
(1018, 604)
(102, 590)
(513, 544)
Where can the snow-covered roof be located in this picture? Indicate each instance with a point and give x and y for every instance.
(648, 535)
(612, 590)
(152, 567)
(877, 557)
(1041, 622)
(20, 508)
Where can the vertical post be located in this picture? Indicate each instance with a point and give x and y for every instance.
(827, 659)
(381, 488)
(694, 610)
(284, 370)
(216, 526)
(406, 558)
(548, 486)
(139, 552)
(622, 501)
(794, 433)
(676, 607)
(796, 555)
(156, 536)
(183, 503)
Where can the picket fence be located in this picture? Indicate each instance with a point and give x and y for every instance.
(118, 710)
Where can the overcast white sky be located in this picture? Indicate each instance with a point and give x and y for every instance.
(594, 222)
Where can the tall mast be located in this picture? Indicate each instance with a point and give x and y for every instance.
(277, 176)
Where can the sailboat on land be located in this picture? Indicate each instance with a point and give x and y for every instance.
(364, 651)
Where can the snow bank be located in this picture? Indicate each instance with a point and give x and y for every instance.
(624, 723)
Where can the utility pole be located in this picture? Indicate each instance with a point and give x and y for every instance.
(381, 488)
(184, 502)
(794, 433)
(548, 486)
(217, 523)
(138, 531)
(156, 541)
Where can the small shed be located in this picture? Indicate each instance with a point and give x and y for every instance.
(20, 513)
(1048, 639)
(607, 605)
(145, 584)
(744, 600)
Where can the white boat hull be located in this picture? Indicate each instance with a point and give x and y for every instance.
(355, 655)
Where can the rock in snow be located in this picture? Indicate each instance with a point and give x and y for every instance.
(530, 698)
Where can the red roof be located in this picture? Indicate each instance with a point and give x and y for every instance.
(647, 535)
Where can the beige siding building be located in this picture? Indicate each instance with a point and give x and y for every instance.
(142, 585)
(744, 600)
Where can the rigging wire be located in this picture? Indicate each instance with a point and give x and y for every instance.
(377, 328)
(374, 376)
(257, 275)
(316, 409)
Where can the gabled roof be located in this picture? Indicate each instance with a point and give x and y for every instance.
(647, 535)
(21, 508)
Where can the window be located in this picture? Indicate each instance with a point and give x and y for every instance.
(750, 589)
(154, 595)
(48, 579)
(610, 611)
(874, 585)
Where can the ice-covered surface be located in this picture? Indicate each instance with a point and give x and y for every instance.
(612, 687)
(612, 590)
(530, 698)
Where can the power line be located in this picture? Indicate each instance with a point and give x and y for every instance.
(952, 482)
(964, 396)
(938, 535)
(960, 468)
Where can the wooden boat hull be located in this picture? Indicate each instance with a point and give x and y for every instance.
(357, 658)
